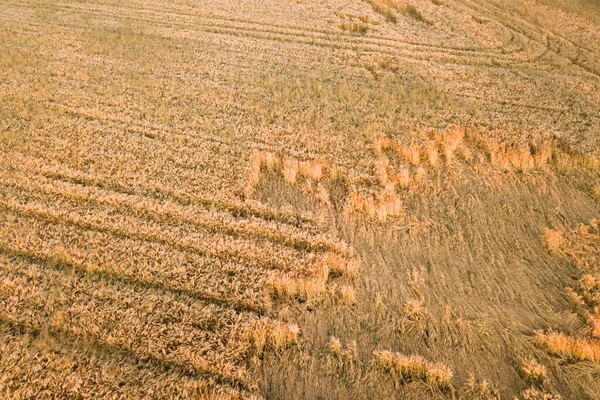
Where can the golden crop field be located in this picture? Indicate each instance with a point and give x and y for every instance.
(300, 199)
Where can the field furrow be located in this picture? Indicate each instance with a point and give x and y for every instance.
(62, 211)
(201, 338)
(172, 28)
(181, 19)
(139, 262)
(255, 230)
(43, 365)
(134, 186)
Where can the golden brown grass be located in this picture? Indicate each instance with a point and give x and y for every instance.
(354, 27)
(535, 373)
(582, 247)
(201, 222)
(480, 390)
(306, 290)
(535, 394)
(578, 349)
(347, 295)
(276, 336)
(414, 368)
(554, 240)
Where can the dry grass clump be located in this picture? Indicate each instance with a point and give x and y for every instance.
(335, 346)
(347, 295)
(535, 394)
(593, 323)
(450, 142)
(402, 179)
(575, 349)
(412, 154)
(432, 155)
(480, 390)
(290, 168)
(534, 373)
(414, 368)
(304, 290)
(354, 27)
(415, 309)
(554, 240)
(274, 335)
(589, 286)
(344, 355)
(380, 207)
(583, 246)
(312, 169)
(385, 11)
(339, 266)
(258, 161)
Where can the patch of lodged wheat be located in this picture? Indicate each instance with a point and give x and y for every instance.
(406, 369)
(589, 287)
(397, 167)
(341, 352)
(347, 295)
(582, 245)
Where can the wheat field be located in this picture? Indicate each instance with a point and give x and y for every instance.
(300, 199)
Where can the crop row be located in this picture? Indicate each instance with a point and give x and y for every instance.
(200, 338)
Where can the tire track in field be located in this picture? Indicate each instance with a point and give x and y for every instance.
(409, 50)
(543, 37)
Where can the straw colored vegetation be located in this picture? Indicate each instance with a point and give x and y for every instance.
(354, 27)
(414, 368)
(582, 245)
(370, 199)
